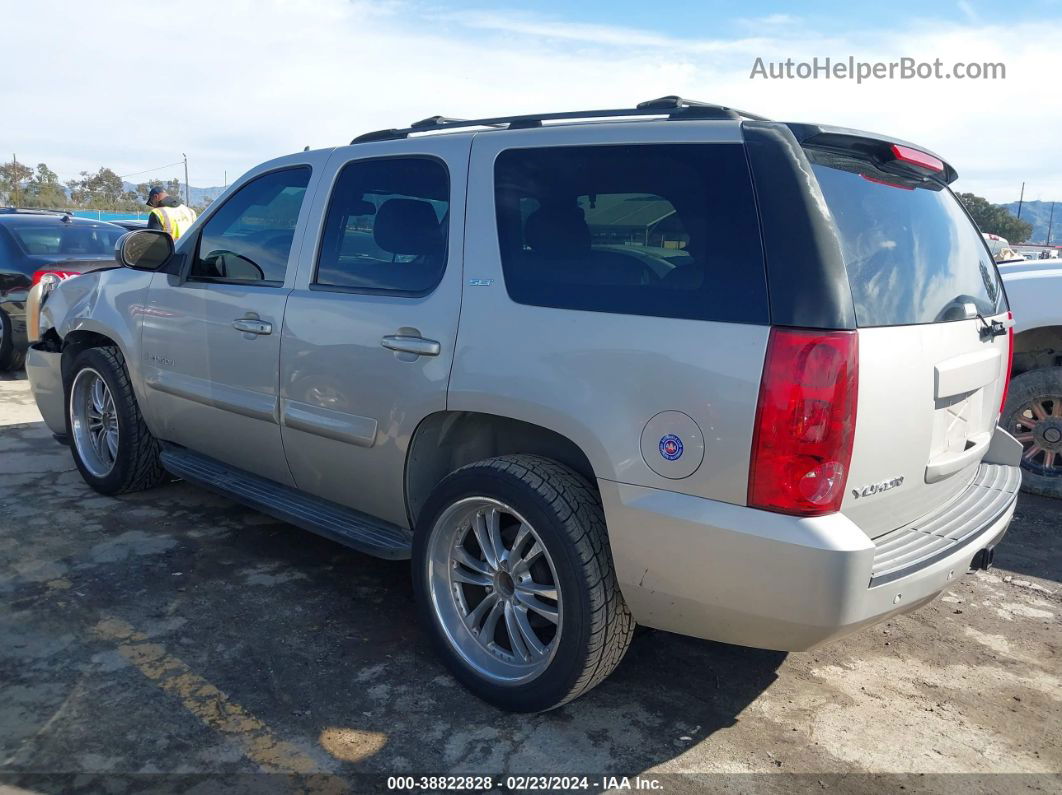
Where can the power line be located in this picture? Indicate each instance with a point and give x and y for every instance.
(148, 171)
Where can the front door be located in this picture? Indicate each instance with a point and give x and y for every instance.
(211, 334)
(370, 327)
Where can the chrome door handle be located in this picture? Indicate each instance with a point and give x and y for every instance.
(416, 345)
(249, 325)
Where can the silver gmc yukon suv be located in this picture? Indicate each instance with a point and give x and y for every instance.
(675, 365)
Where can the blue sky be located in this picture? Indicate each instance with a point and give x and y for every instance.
(242, 81)
(698, 19)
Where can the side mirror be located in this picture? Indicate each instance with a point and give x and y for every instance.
(144, 249)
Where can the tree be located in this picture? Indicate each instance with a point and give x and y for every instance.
(12, 175)
(995, 220)
(100, 191)
(44, 189)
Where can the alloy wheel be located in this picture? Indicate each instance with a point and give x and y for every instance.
(94, 422)
(494, 590)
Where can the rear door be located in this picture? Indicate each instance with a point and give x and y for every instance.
(931, 373)
(371, 325)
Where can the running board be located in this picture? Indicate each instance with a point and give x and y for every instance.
(343, 525)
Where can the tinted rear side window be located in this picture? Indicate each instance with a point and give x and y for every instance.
(912, 254)
(386, 227)
(665, 230)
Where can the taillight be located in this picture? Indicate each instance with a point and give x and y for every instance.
(60, 275)
(914, 157)
(1010, 363)
(805, 422)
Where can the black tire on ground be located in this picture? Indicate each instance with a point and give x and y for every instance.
(566, 513)
(137, 466)
(1042, 385)
(10, 357)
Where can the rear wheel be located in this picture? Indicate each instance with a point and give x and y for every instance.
(514, 582)
(112, 447)
(1033, 415)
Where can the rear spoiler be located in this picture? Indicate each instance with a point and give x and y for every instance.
(888, 154)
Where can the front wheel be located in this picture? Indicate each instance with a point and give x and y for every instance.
(1033, 415)
(112, 447)
(514, 582)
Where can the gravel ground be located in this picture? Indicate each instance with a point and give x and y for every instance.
(174, 640)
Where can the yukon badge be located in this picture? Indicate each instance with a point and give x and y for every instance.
(877, 488)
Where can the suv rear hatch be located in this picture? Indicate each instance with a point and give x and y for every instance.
(932, 318)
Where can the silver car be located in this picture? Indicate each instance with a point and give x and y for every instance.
(673, 365)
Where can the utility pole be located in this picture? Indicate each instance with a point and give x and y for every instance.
(1050, 223)
(14, 180)
(226, 179)
(187, 195)
(1021, 199)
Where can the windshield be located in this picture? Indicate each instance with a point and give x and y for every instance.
(912, 254)
(65, 239)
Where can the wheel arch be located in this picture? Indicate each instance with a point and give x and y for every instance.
(79, 340)
(1037, 347)
(448, 440)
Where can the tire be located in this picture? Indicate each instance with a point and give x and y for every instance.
(134, 463)
(1042, 466)
(593, 627)
(11, 358)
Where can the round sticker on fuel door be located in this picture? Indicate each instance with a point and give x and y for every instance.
(671, 447)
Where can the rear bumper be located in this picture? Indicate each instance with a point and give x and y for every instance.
(739, 575)
(46, 381)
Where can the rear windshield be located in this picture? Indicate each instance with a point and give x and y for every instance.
(912, 254)
(65, 239)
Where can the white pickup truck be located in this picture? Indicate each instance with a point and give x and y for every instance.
(1033, 410)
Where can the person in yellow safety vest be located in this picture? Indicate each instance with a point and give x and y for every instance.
(168, 214)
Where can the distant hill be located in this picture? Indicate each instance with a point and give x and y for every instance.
(199, 195)
(1035, 213)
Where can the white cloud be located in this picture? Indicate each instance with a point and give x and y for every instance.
(123, 85)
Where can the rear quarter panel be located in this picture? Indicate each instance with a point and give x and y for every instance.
(598, 378)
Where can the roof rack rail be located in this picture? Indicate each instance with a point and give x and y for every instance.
(672, 106)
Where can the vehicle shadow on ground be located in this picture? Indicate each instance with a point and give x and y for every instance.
(1033, 544)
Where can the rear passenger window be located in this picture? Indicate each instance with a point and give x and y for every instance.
(386, 227)
(665, 230)
(249, 238)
